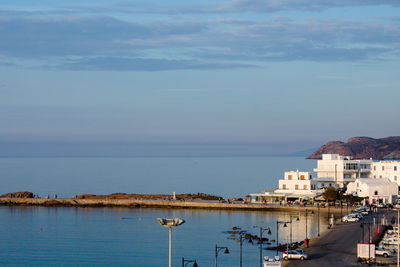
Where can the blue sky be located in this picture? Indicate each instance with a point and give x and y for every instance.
(290, 72)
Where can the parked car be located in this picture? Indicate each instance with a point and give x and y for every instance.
(382, 252)
(350, 218)
(294, 255)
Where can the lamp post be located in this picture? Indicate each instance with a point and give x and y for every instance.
(297, 219)
(312, 212)
(185, 262)
(262, 230)
(170, 223)
(217, 250)
(369, 238)
(318, 217)
(277, 233)
(398, 237)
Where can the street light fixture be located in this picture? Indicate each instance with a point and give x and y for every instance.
(170, 223)
(185, 262)
(277, 233)
(217, 250)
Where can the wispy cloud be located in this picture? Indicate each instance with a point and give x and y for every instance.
(146, 64)
(109, 42)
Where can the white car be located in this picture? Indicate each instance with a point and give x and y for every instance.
(294, 255)
(382, 252)
(350, 218)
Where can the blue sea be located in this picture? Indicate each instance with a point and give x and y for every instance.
(65, 236)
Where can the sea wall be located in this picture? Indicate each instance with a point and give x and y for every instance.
(169, 204)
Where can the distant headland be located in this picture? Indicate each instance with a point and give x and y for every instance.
(387, 148)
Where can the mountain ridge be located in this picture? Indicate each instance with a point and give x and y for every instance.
(362, 147)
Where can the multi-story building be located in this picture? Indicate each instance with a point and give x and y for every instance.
(386, 169)
(343, 169)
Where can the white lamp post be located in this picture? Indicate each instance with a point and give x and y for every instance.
(170, 223)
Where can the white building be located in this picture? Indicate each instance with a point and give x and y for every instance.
(342, 169)
(386, 169)
(376, 190)
(295, 185)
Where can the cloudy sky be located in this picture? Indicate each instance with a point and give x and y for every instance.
(288, 73)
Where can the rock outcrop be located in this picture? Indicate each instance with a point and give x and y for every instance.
(362, 148)
(18, 195)
(198, 196)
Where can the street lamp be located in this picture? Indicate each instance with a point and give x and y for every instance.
(277, 233)
(170, 223)
(262, 230)
(217, 250)
(297, 219)
(369, 238)
(185, 262)
(318, 217)
(312, 212)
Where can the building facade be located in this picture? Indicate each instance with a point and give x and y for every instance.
(343, 169)
(386, 169)
(376, 190)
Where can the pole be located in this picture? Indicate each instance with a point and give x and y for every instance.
(290, 229)
(341, 207)
(369, 244)
(240, 250)
(398, 236)
(170, 230)
(216, 256)
(306, 225)
(261, 241)
(318, 218)
(277, 238)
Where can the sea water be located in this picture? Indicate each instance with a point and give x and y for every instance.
(224, 176)
(69, 236)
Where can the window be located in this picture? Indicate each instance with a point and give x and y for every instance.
(283, 186)
(322, 184)
(296, 187)
(305, 187)
(330, 184)
(374, 176)
(383, 168)
(395, 168)
(395, 178)
(358, 185)
(290, 177)
(380, 176)
(374, 168)
(301, 177)
(376, 192)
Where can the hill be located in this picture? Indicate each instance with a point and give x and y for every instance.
(362, 148)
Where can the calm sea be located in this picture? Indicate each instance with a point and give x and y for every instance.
(38, 236)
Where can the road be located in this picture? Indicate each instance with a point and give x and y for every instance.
(337, 247)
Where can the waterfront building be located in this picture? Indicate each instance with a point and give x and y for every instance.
(386, 169)
(296, 185)
(343, 169)
(336, 171)
(376, 190)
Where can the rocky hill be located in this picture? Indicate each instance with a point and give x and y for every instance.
(362, 148)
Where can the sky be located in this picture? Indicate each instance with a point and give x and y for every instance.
(275, 75)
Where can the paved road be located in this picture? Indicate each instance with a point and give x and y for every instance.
(337, 247)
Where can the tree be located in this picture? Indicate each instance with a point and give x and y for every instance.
(331, 194)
